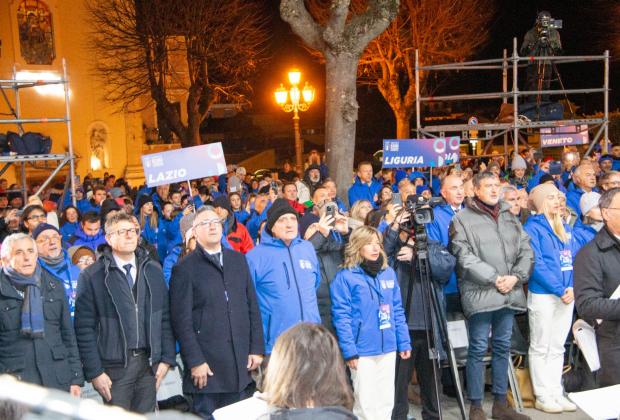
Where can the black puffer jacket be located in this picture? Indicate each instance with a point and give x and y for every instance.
(53, 359)
(596, 277)
(101, 335)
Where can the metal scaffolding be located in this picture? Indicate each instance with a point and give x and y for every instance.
(490, 131)
(15, 110)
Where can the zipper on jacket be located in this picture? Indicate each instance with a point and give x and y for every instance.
(288, 279)
(301, 308)
(359, 330)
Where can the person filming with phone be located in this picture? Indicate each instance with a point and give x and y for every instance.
(328, 231)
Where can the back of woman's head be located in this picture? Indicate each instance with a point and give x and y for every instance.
(307, 370)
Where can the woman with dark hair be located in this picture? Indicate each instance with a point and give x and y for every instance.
(69, 221)
(236, 202)
(385, 196)
(31, 217)
(306, 378)
(370, 323)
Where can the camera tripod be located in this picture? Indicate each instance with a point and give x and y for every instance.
(434, 317)
(544, 79)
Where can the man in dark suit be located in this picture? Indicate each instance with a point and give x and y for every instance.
(122, 320)
(215, 318)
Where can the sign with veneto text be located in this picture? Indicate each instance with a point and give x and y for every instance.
(184, 164)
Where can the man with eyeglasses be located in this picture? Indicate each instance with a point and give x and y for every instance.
(56, 261)
(32, 216)
(597, 286)
(122, 321)
(215, 317)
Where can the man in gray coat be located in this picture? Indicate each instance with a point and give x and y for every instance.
(494, 260)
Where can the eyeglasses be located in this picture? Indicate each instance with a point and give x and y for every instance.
(123, 232)
(37, 217)
(610, 208)
(209, 222)
(87, 259)
(47, 239)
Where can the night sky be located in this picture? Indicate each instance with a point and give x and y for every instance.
(583, 34)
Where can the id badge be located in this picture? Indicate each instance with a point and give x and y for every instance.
(384, 316)
(566, 260)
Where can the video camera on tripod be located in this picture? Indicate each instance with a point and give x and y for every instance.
(421, 213)
(545, 23)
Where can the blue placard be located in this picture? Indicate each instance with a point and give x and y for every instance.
(184, 164)
(415, 153)
(569, 135)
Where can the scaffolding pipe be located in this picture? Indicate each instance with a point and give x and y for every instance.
(52, 176)
(606, 104)
(19, 121)
(595, 140)
(20, 129)
(417, 94)
(69, 132)
(515, 94)
(561, 59)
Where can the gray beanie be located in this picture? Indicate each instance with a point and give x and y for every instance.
(518, 163)
(588, 201)
(186, 223)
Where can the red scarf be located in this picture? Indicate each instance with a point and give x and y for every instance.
(492, 211)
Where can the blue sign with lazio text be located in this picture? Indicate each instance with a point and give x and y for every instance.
(184, 164)
(413, 153)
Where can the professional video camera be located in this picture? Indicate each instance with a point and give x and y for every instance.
(421, 210)
(544, 24)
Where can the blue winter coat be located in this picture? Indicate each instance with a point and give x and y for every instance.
(85, 205)
(169, 262)
(572, 199)
(438, 231)
(68, 229)
(286, 280)
(254, 221)
(242, 216)
(583, 233)
(362, 191)
(81, 238)
(548, 276)
(67, 274)
(356, 298)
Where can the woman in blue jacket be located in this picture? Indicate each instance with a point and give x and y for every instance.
(69, 222)
(550, 299)
(369, 319)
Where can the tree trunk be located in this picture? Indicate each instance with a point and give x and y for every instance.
(340, 117)
(403, 125)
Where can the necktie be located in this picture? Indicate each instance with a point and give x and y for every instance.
(128, 276)
(217, 259)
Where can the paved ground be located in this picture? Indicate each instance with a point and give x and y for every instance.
(451, 412)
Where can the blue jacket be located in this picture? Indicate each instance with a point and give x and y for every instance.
(242, 216)
(286, 280)
(438, 231)
(67, 274)
(572, 199)
(169, 262)
(81, 238)
(85, 205)
(583, 233)
(356, 299)
(68, 229)
(361, 191)
(254, 221)
(548, 276)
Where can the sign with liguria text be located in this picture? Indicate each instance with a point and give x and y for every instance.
(415, 153)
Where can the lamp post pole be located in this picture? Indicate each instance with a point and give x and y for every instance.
(295, 100)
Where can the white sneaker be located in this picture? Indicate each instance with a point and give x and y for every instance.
(548, 405)
(565, 403)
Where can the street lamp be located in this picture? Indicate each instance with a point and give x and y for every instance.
(295, 100)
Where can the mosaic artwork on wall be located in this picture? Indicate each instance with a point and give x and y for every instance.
(36, 33)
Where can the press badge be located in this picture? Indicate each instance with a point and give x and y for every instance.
(384, 316)
(566, 260)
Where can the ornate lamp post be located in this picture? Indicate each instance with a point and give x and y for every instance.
(295, 100)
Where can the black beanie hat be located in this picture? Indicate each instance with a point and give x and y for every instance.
(223, 202)
(42, 227)
(144, 198)
(545, 178)
(279, 208)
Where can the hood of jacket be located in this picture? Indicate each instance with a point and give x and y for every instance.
(84, 238)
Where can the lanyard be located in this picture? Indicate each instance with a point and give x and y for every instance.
(373, 287)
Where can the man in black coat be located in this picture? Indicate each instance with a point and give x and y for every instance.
(122, 321)
(399, 247)
(216, 319)
(596, 279)
(37, 342)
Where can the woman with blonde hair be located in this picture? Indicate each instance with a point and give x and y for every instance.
(550, 299)
(306, 376)
(359, 211)
(369, 319)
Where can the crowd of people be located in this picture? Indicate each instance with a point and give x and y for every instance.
(228, 278)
